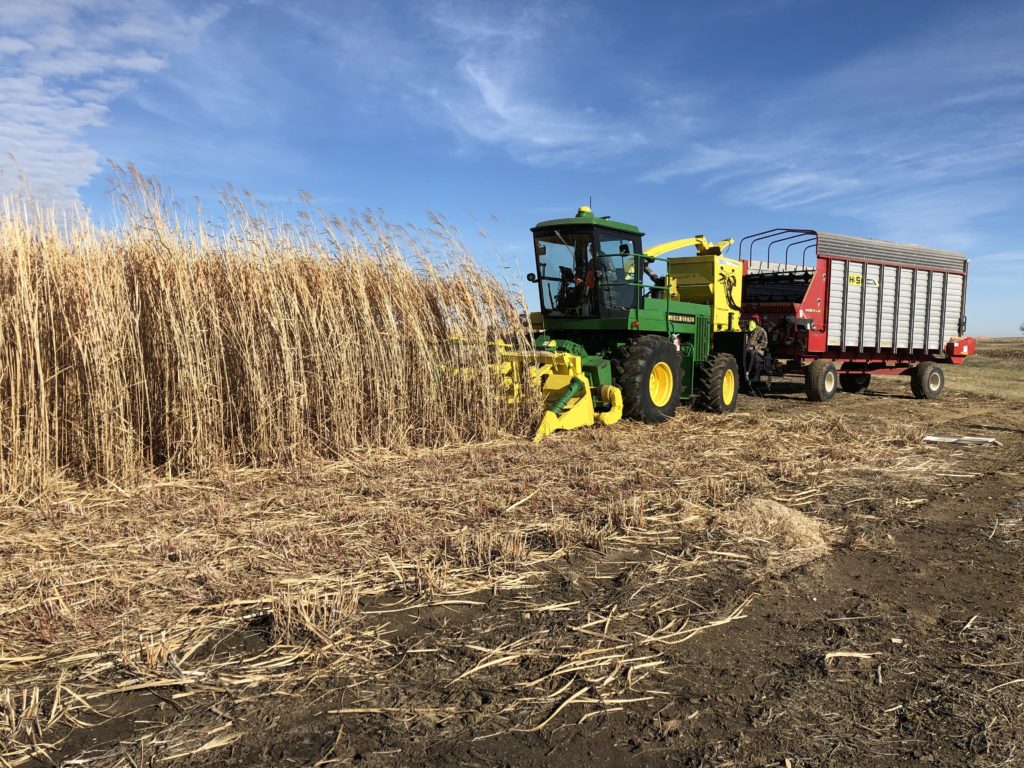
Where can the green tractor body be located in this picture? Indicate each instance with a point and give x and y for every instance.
(620, 310)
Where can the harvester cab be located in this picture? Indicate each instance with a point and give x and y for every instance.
(585, 266)
(628, 331)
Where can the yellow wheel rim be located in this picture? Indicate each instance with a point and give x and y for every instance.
(660, 384)
(728, 387)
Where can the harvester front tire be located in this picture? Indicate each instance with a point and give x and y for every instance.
(650, 378)
(717, 383)
(821, 381)
(927, 381)
(854, 383)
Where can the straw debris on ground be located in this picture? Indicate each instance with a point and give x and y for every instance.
(254, 578)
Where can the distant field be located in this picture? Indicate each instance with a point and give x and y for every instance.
(995, 370)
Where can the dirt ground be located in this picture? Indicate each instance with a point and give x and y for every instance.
(899, 641)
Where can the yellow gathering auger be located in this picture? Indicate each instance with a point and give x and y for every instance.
(614, 337)
(568, 400)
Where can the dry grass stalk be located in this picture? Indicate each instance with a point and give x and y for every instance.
(165, 343)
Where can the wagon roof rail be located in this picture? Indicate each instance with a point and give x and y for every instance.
(850, 247)
(870, 249)
(771, 237)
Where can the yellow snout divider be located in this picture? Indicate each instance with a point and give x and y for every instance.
(568, 400)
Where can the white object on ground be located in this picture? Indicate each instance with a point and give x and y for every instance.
(962, 440)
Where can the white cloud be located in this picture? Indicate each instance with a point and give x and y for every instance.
(476, 23)
(1003, 269)
(510, 89)
(907, 137)
(490, 75)
(12, 45)
(63, 70)
(498, 109)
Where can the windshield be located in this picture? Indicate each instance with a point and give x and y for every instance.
(617, 272)
(566, 272)
(575, 281)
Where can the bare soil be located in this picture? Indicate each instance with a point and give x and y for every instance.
(883, 627)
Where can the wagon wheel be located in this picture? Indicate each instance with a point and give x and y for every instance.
(821, 381)
(927, 381)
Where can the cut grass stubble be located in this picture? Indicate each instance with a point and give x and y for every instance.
(107, 590)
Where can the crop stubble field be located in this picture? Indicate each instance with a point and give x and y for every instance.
(788, 583)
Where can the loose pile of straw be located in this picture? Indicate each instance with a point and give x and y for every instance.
(172, 343)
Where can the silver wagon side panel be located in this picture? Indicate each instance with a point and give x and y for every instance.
(903, 305)
(882, 297)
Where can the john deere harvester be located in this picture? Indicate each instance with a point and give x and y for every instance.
(624, 331)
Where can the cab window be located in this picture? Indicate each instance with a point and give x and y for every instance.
(565, 271)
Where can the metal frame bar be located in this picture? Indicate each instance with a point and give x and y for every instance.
(878, 310)
(863, 306)
(775, 235)
(961, 323)
(798, 242)
(928, 314)
(755, 238)
(785, 263)
(846, 295)
(803, 259)
(896, 310)
(942, 312)
(913, 309)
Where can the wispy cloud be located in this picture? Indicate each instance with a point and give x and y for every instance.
(1001, 264)
(914, 137)
(483, 73)
(501, 92)
(495, 106)
(64, 62)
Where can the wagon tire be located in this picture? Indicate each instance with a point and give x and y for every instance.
(854, 383)
(821, 381)
(927, 381)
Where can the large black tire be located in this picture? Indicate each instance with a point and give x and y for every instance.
(927, 381)
(649, 375)
(716, 384)
(854, 383)
(820, 381)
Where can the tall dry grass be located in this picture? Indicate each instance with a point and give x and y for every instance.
(169, 343)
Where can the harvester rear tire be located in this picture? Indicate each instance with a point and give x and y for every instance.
(820, 381)
(854, 383)
(927, 381)
(641, 369)
(717, 383)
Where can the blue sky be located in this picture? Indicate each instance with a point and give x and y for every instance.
(899, 120)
